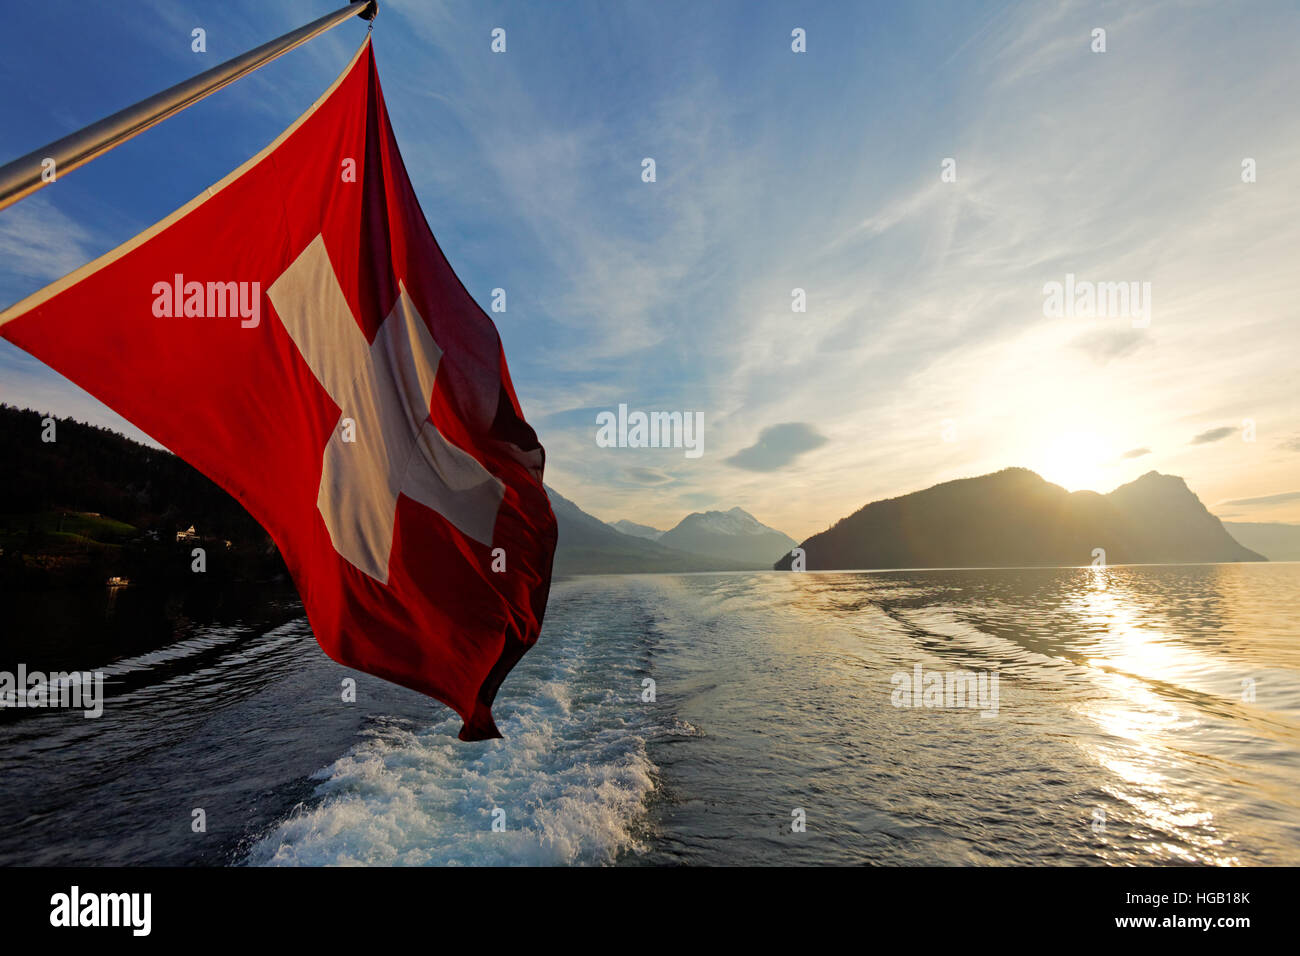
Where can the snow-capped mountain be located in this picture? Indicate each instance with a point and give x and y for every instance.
(733, 535)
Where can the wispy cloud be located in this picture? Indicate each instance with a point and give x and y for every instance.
(1109, 344)
(38, 244)
(648, 476)
(1214, 434)
(1265, 499)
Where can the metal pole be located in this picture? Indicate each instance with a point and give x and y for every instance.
(23, 176)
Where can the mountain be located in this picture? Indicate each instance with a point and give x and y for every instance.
(733, 535)
(1273, 539)
(588, 545)
(1014, 518)
(636, 530)
(95, 504)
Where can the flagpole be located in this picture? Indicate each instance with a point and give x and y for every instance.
(25, 175)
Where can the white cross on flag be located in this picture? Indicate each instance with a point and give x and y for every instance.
(296, 334)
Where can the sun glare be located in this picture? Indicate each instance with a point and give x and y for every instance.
(1075, 461)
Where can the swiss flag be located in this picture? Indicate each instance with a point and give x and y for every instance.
(296, 334)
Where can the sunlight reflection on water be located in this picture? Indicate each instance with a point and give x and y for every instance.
(1148, 714)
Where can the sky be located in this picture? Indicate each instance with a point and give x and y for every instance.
(921, 171)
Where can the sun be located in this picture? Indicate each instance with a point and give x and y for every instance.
(1075, 460)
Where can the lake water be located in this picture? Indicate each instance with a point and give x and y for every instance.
(1143, 715)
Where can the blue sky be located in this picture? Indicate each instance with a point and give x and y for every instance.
(924, 353)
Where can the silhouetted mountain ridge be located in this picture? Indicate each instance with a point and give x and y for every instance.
(587, 545)
(1013, 518)
(93, 503)
(1275, 540)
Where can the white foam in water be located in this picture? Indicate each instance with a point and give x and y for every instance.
(422, 798)
(571, 774)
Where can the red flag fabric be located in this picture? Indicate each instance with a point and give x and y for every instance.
(296, 334)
